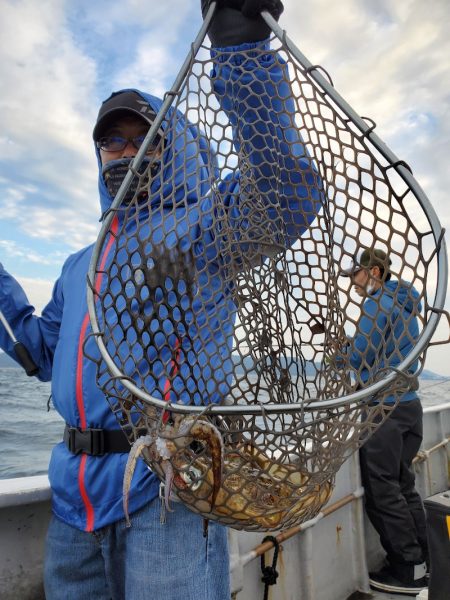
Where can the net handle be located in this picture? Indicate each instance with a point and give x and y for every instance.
(21, 351)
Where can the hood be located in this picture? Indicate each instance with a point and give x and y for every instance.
(186, 161)
(404, 294)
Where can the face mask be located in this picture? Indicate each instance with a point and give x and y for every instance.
(114, 173)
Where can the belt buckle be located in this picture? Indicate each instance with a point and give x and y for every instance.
(88, 441)
(71, 443)
(97, 442)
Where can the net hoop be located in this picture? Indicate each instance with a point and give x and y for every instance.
(367, 131)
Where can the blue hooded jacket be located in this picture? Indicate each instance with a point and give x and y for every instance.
(87, 490)
(386, 333)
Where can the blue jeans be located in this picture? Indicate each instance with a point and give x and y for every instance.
(147, 561)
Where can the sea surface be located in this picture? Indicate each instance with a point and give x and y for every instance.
(28, 430)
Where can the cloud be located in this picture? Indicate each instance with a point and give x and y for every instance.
(14, 250)
(38, 291)
(136, 46)
(50, 96)
(390, 61)
(47, 84)
(149, 70)
(46, 114)
(40, 214)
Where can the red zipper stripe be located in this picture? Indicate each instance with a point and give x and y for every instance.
(173, 370)
(84, 495)
(90, 516)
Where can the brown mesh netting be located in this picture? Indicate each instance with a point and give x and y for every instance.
(218, 290)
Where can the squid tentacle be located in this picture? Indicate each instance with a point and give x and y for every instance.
(136, 450)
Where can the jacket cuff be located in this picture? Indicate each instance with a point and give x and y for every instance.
(223, 54)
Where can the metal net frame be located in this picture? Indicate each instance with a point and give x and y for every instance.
(216, 299)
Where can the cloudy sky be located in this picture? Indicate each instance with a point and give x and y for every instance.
(60, 58)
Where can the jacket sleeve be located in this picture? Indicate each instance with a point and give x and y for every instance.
(38, 334)
(255, 93)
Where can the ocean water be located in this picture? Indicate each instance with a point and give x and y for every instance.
(28, 430)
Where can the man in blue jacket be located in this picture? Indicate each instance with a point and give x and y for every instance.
(90, 551)
(385, 335)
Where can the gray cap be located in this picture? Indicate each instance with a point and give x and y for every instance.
(371, 257)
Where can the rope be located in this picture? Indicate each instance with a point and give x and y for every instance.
(270, 574)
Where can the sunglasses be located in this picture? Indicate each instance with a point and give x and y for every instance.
(117, 143)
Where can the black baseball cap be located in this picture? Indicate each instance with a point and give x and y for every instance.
(121, 104)
(373, 257)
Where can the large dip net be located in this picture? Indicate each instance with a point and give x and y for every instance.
(216, 298)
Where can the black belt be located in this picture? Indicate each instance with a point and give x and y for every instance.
(95, 442)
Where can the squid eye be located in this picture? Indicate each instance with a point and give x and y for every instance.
(193, 478)
(196, 447)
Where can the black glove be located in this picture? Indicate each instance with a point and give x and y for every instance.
(238, 21)
(253, 8)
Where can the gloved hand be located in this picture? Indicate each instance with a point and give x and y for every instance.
(238, 21)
